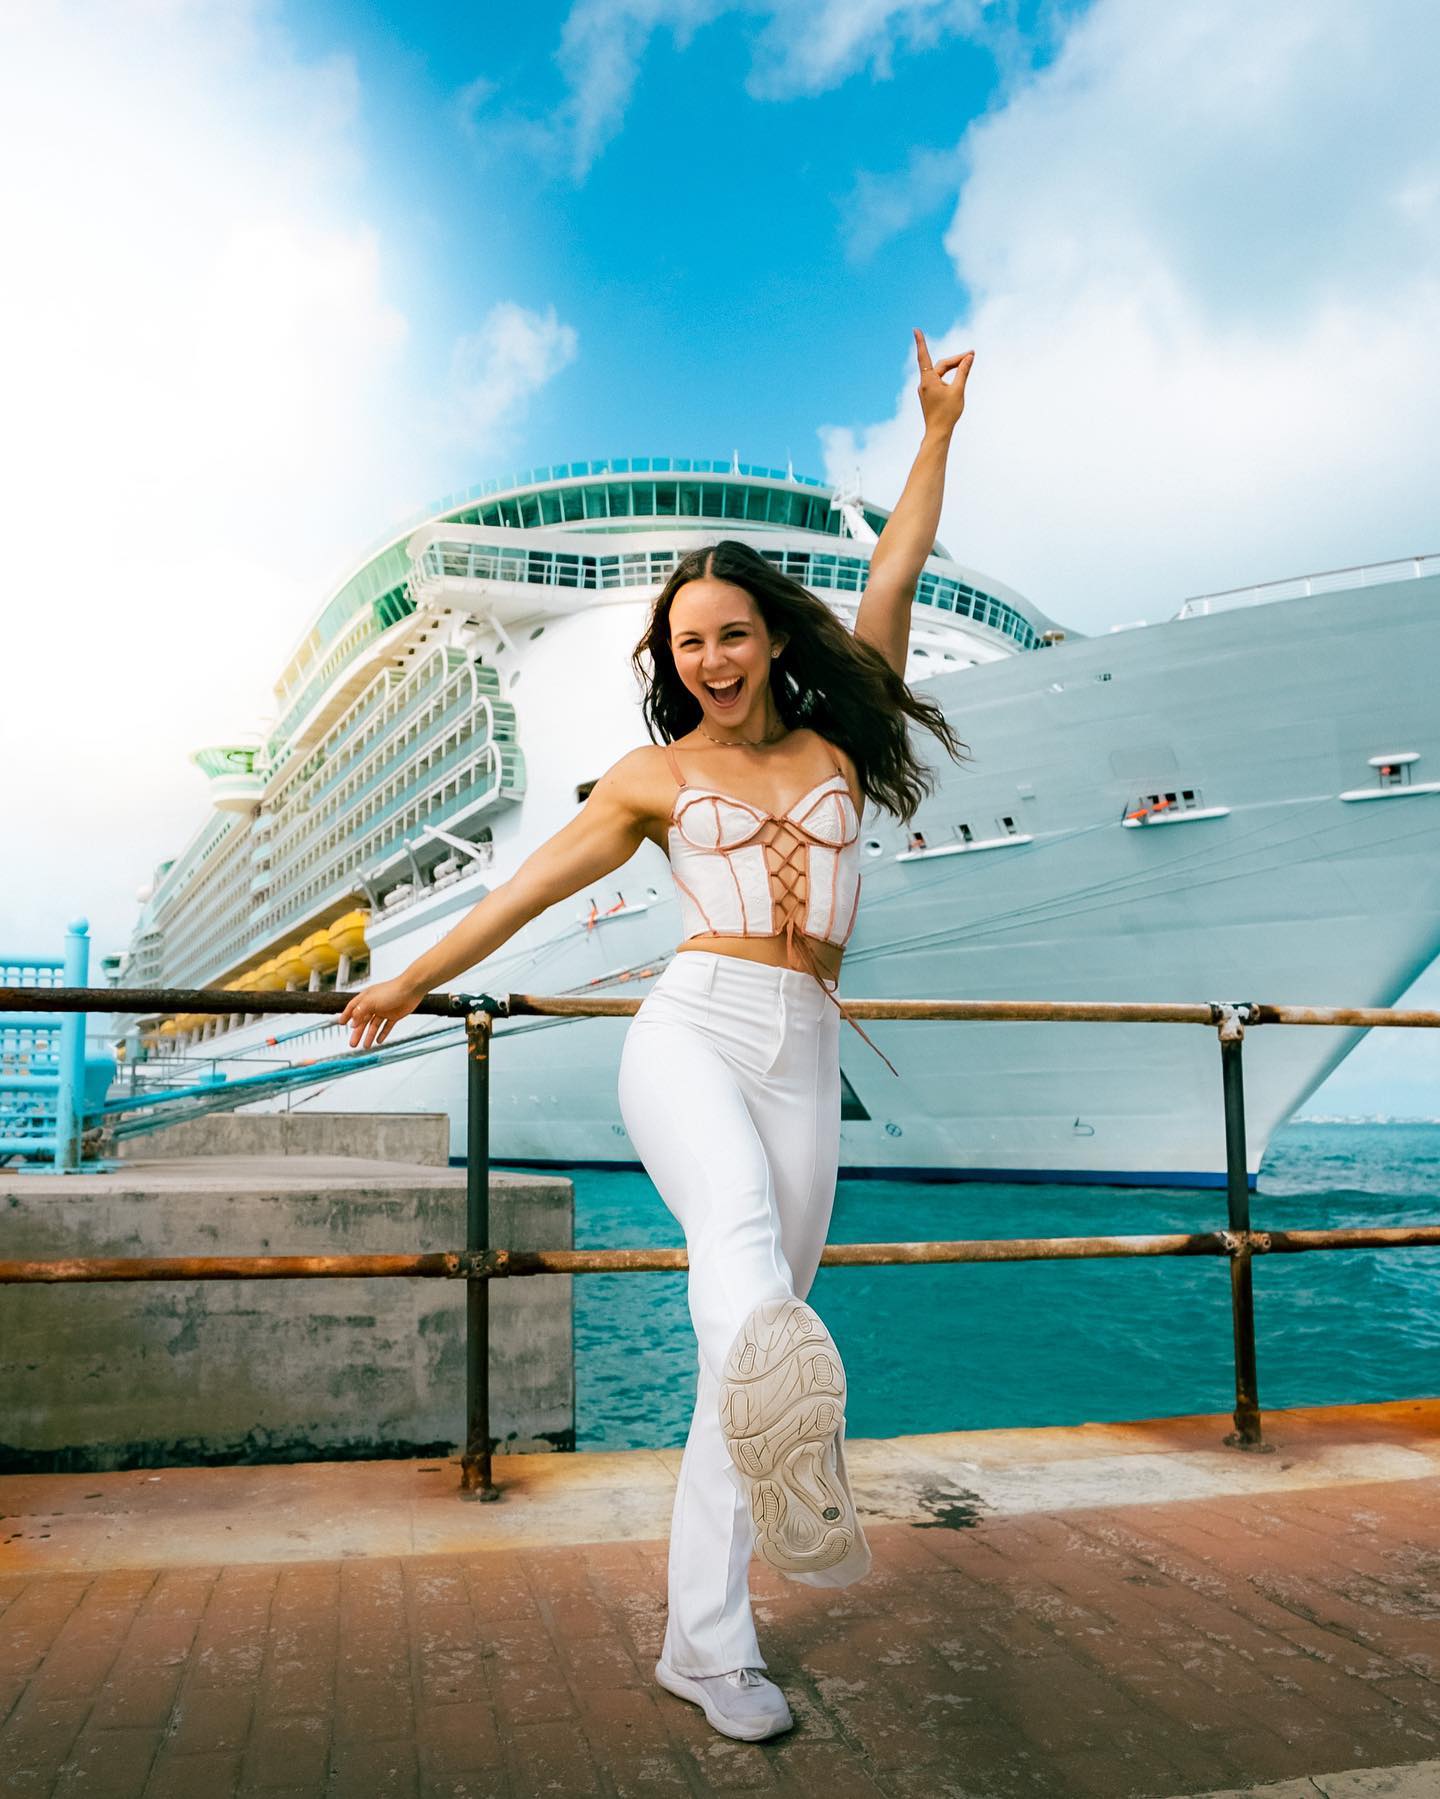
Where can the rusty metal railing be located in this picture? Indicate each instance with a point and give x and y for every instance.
(479, 1263)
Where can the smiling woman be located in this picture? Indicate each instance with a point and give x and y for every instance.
(730, 1077)
(726, 611)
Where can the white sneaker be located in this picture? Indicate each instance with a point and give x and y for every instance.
(742, 1703)
(782, 1412)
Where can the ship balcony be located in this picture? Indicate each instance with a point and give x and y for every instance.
(415, 776)
(500, 720)
(1182, 807)
(499, 779)
(974, 846)
(1145, 821)
(1391, 793)
(1394, 778)
(236, 785)
(236, 793)
(383, 755)
(389, 688)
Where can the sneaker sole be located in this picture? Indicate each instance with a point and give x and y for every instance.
(782, 1406)
(696, 1694)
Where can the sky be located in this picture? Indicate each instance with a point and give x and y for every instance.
(281, 273)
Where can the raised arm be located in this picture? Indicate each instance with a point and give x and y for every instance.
(606, 832)
(909, 535)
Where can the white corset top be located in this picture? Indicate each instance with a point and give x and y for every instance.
(741, 871)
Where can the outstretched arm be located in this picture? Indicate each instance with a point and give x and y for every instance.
(605, 833)
(909, 535)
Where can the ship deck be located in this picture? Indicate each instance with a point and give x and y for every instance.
(1107, 1610)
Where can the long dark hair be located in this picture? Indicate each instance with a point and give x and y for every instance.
(825, 679)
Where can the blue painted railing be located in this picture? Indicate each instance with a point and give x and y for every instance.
(42, 1059)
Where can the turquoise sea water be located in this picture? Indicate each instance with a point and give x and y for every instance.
(968, 1346)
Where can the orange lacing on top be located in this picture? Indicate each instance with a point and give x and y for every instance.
(785, 842)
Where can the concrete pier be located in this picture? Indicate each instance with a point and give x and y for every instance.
(161, 1374)
(419, 1138)
(1117, 1611)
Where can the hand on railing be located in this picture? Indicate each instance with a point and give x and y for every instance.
(375, 1010)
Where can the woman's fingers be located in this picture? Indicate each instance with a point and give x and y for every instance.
(363, 1024)
(375, 1011)
(943, 401)
(922, 349)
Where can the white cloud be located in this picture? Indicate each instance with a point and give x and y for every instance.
(803, 47)
(602, 44)
(494, 369)
(808, 48)
(211, 399)
(881, 206)
(1202, 251)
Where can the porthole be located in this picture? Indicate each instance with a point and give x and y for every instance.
(514, 676)
(874, 847)
(539, 631)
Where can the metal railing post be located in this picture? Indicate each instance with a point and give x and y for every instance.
(475, 1470)
(1247, 1434)
(70, 1088)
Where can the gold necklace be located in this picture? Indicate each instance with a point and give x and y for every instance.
(748, 743)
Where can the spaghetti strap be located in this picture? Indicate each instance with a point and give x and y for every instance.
(846, 779)
(675, 768)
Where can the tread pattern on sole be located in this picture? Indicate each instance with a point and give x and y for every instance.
(782, 1407)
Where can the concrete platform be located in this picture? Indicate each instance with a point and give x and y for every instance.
(100, 1376)
(1124, 1611)
(276, 1172)
(415, 1138)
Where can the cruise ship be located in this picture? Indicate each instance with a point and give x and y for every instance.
(1238, 801)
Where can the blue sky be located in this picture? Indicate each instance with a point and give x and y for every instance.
(708, 250)
(292, 270)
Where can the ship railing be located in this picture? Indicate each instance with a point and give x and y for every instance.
(479, 1262)
(1296, 587)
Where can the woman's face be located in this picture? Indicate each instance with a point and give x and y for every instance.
(722, 649)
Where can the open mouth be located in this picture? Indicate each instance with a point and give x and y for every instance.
(727, 694)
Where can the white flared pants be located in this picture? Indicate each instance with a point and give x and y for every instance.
(730, 1091)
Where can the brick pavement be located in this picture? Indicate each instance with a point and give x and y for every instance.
(1125, 1652)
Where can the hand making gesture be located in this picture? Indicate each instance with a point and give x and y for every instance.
(941, 401)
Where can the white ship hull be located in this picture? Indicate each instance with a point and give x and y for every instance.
(1286, 893)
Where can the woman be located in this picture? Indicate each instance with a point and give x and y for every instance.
(776, 724)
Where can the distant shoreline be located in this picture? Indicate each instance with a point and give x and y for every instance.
(1360, 1118)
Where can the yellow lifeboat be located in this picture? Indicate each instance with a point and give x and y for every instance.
(267, 978)
(168, 1028)
(347, 934)
(317, 951)
(292, 966)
